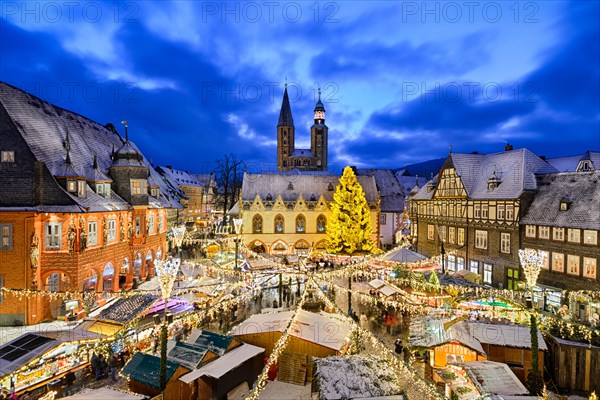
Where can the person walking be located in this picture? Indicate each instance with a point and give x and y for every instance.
(388, 323)
(113, 364)
(96, 367)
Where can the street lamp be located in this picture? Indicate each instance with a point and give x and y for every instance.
(531, 261)
(166, 272)
(178, 235)
(237, 224)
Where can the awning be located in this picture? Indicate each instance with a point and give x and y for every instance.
(376, 283)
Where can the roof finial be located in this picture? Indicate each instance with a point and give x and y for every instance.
(319, 93)
(450, 149)
(126, 131)
(68, 147)
(286, 82)
(417, 180)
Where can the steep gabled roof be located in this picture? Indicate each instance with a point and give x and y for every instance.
(581, 189)
(285, 114)
(391, 192)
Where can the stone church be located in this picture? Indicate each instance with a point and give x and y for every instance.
(288, 157)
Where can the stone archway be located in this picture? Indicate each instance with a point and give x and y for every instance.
(279, 248)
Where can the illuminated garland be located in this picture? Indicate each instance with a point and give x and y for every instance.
(280, 345)
(419, 388)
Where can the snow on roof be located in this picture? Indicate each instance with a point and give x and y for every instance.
(352, 377)
(429, 332)
(387, 290)
(376, 283)
(225, 363)
(492, 377)
(505, 335)
(105, 393)
(404, 255)
(324, 329)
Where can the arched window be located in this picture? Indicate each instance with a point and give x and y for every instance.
(300, 224)
(257, 224)
(58, 282)
(279, 223)
(137, 266)
(89, 284)
(107, 277)
(321, 224)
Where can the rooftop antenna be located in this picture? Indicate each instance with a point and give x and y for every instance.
(126, 125)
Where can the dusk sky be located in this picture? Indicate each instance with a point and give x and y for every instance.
(401, 81)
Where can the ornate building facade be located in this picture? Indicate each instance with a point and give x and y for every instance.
(83, 211)
(288, 157)
(287, 213)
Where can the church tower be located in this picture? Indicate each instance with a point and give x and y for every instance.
(318, 136)
(285, 134)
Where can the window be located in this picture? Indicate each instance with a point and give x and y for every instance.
(442, 230)
(481, 238)
(573, 264)
(382, 219)
(505, 243)
(81, 188)
(589, 267)
(501, 211)
(112, 230)
(585, 165)
(510, 212)
(459, 210)
(545, 259)
(72, 186)
(53, 235)
(474, 266)
(6, 236)
(530, 231)
(138, 186)
(430, 232)
(452, 263)
(321, 224)
(8, 156)
(590, 237)
(103, 189)
(155, 192)
(558, 262)
(544, 232)
(452, 234)
(574, 236)
(151, 224)
(558, 234)
(460, 264)
(300, 224)
(92, 233)
(484, 211)
(161, 223)
(1, 286)
(257, 224)
(512, 276)
(461, 236)
(487, 273)
(477, 212)
(138, 225)
(279, 224)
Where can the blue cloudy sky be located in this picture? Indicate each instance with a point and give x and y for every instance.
(401, 81)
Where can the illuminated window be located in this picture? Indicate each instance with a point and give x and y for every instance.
(430, 232)
(501, 211)
(590, 237)
(7, 156)
(487, 273)
(257, 224)
(321, 224)
(6, 236)
(510, 212)
(545, 259)
(442, 233)
(558, 234)
(481, 238)
(452, 234)
(544, 232)
(574, 235)
(72, 186)
(300, 224)
(558, 262)
(589, 267)
(505, 243)
(138, 186)
(530, 231)
(461, 236)
(573, 264)
(279, 224)
(80, 188)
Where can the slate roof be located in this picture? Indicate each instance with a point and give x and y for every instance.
(570, 163)
(424, 169)
(215, 342)
(391, 192)
(145, 368)
(285, 114)
(581, 188)
(179, 176)
(45, 127)
(305, 184)
(302, 153)
(125, 309)
(516, 169)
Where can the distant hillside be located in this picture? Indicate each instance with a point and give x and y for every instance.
(423, 169)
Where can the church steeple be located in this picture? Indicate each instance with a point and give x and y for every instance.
(285, 115)
(319, 111)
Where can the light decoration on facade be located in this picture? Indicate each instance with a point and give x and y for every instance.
(531, 262)
(167, 270)
(178, 235)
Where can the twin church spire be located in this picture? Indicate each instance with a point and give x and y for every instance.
(288, 157)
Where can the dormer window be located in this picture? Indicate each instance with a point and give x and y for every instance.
(155, 192)
(330, 187)
(565, 203)
(313, 198)
(72, 186)
(430, 187)
(269, 197)
(585, 165)
(290, 186)
(138, 186)
(493, 182)
(103, 189)
(81, 188)
(7, 156)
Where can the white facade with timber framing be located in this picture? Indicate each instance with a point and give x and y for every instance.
(472, 208)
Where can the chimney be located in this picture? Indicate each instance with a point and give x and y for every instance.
(170, 167)
(508, 147)
(475, 152)
(543, 158)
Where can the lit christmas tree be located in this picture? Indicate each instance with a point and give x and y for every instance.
(349, 228)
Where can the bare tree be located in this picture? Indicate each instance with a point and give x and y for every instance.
(228, 173)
